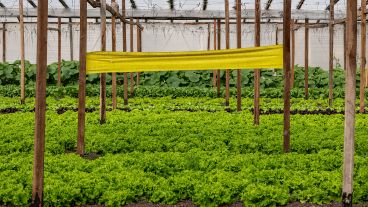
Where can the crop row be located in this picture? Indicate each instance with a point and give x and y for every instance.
(154, 92)
(165, 157)
(61, 105)
(318, 78)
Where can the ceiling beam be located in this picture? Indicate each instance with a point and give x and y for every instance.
(65, 5)
(268, 4)
(300, 4)
(328, 7)
(31, 2)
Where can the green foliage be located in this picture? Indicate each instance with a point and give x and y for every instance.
(160, 156)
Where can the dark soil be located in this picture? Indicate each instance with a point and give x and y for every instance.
(88, 156)
(8, 110)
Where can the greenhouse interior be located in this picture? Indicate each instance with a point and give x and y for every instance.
(183, 103)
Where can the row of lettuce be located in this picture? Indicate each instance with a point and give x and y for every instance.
(318, 78)
(209, 158)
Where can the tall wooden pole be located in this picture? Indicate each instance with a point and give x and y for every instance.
(227, 30)
(59, 53)
(292, 54)
(71, 43)
(257, 72)
(214, 48)
(331, 47)
(287, 74)
(218, 84)
(239, 45)
(277, 35)
(363, 31)
(306, 58)
(209, 37)
(40, 104)
(131, 50)
(22, 66)
(82, 76)
(103, 75)
(139, 49)
(4, 42)
(113, 47)
(350, 86)
(345, 46)
(124, 50)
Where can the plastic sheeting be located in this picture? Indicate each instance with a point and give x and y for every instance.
(244, 58)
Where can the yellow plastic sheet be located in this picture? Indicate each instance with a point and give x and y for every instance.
(245, 58)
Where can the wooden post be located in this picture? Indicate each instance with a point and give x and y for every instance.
(331, 47)
(257, 72)
(4, 42)
(139, 49)
(350, 86)
(218, 48)
(345, 45)
(40, 105)
(214, 48)
(82, 76)
(306, 57)
(287, 74)
(363, 41)
(59, 53)
(22, 66)
(124, 50)
(277, 35)
(239, 45)
(209, 37)
(71, 43)
(292, 54)
(227, 29)
(103, 75)
(113, 48)
(131, 50)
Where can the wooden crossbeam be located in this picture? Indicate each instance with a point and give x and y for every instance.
(31, 2)
(65, 5)
(96, 3)
(328, 7)
(300, 4)
(268, 4)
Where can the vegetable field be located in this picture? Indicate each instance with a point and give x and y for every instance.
(166, 150)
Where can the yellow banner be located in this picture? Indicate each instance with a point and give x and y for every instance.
(244, 58)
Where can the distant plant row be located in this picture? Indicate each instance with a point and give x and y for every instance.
(318, 78)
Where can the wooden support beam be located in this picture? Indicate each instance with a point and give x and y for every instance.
(257, 72)
(363, 41)
(239, 45)
(268, 4)
(218, 84)
(65, 5)
(123, 12)
(214, 72)
(292, 54)
(4, 41)
(287, 73)
(71, 42)
(113, 48)
(82, 77)
(332, 3)
(345, 46)
(40, 106)
(331, 55)
(31, 2)
(350, 96)
(103, 75)
(59, 53)
(300, 4)
(139, 49)
(306, 58)
(227, 31)
(277, 35)
(22, 58)
(208, 36)
(131, 38)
